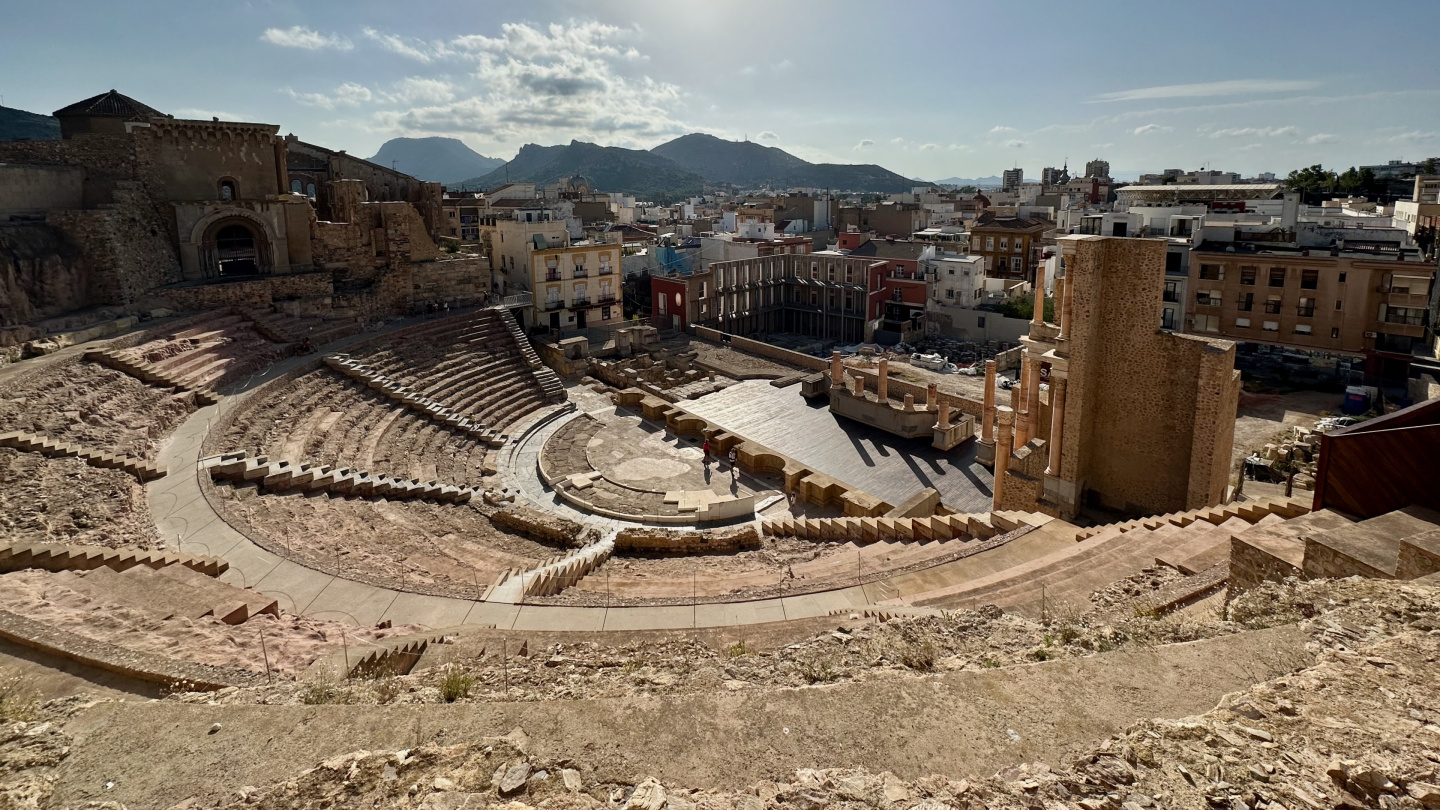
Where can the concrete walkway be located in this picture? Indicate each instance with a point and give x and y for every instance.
(181, 513)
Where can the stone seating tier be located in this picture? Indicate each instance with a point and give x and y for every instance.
(414, 400)
(54, 448)
(54, 557)
(283, 476)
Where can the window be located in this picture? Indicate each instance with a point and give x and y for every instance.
(310, 190)
(950, 294)
(951, 270)
(1246, 302)
(1309, 279)
(1004, 243)
(830, 271)
(1270, 326)
(1242, 323)
(1272, 305)
(989, 243)
(1338, 304)
(1342, 278)
(980, 322)
(1277, 277)
(605, 314)
(1302, 328)
(815, 270)
(1306, 308)
(296, 186)
(1212, 272)
(897, 294)
(1172, 292)
(1334, 333)
(1173, 263)
(1167, 318)
(1207, 323)
(1207, 298)
(1404, 315)
(1247, 276)
(227, 190)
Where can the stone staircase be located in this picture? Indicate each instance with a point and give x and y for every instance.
(1403, 545)
(1250, 511)
(54, 448)
(392, 656)
(173, 591)
(284, 476)
(414, 400)
(549, 381)
(863, 530)
(552, 576)
(283, 328)
(56, 558)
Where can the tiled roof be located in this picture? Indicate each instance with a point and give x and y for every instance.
(882, 249)
(110, 105)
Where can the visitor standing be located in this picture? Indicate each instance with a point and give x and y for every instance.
(734, 462)
(705, 448)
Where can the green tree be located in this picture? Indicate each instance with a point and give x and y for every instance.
(1350, 180)
(1023, 306)
(1311, 178)
(1430, 166)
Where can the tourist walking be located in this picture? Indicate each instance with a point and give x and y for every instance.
(705, 448)
(734, 462)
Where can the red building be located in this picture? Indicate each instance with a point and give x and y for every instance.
(898, 287)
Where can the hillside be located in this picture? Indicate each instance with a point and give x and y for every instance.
(439, 160)
(747, 164)
(607, 168)
(19, 125)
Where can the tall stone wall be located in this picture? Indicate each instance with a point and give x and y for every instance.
(1149, 414)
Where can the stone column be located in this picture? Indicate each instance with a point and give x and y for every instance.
(1039, 315)
(1020, 401)
(859, 386)
(1065, 307)
(882, 386)
(1006, 418)
(987, 428)
(909, 402)
(932, 396)
(944, 422)
(1032, 401)
(1057, 421)
(837, 370)
(1059, 298)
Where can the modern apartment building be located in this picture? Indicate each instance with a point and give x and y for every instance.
(1342, 304)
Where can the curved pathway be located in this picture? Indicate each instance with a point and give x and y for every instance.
(181, 512)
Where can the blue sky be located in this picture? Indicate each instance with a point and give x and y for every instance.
(929, 89)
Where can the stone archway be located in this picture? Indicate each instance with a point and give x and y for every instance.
(235, 247)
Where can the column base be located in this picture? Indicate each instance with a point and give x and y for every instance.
(950, 437)
(1065, 495)
(985, 452)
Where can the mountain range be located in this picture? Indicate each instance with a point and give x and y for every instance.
(439, 160)
(682, 168)
(18, 125)
(978, 182)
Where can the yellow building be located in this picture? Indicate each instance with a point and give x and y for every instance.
(577, 286)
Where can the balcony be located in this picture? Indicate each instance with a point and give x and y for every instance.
(605, 298)
(580, 302)
(606, 270)
(552, 275)
(553, 304)
(580, 273)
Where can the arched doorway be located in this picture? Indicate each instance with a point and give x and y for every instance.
(237, 252)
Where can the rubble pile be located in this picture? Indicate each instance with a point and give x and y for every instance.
(1356, 729)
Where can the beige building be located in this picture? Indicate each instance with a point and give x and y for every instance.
(1135, 420)
(576, 286)
(510, 239)
(1355, 303)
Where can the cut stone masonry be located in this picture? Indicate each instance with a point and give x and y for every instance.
(285, 476)
(413, 400)
(54, 448)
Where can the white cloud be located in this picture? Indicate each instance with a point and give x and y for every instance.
(417, 90)
(1102, 145)
(298, 36)
(348, 94)
(1152, 129)
(410, 47)
(897, 140)
(767, 135)
(1413, 136)
(1234, 87)
(540, 84)
(1016, 144)
(785, 64)
(998, 129)
(1322, 137)
(928, 147)
(1255, 132)
(959, 147)
(865, 143)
